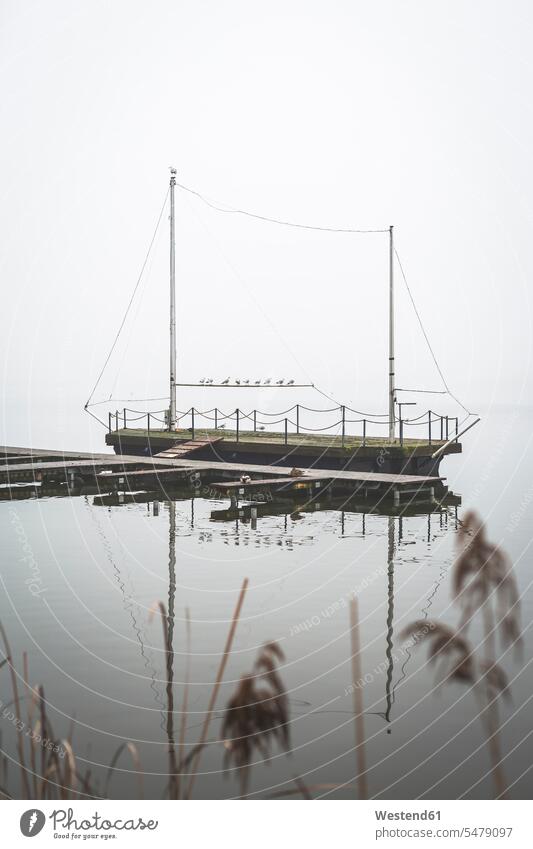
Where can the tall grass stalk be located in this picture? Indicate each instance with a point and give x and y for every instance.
(214, 693)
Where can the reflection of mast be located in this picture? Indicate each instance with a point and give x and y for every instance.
(390, 615)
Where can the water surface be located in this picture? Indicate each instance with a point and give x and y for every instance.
(81, 581)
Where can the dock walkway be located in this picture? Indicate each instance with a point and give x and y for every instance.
(131, 472)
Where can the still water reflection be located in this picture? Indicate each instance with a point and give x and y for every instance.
(82, 578)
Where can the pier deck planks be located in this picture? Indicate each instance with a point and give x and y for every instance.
(93, 464)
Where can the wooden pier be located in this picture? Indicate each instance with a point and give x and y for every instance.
(234, 480)
(316, 451)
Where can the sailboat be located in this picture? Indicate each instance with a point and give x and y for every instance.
(244, 437)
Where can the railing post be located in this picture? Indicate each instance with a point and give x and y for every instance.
(447, 429)
(148, 421)
(116, 419)
(255, 420)
(297, 418)
(343, 423)
(285, 431)
(109, 422)
(401, 431)
(192, 421)
(456, 428)
(441, 429)
(429, 427)
(364, 431)
(124, 417)
(237, 419)
(216, 419)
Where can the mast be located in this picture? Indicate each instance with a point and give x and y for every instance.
(391, 337)
(172, 410)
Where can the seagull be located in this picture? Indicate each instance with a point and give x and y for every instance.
(246, 381)
(202, 380)
(210, 380)
(257, 382)
(238, 382)
(279, 382)
(225, 382)
(221, 427)
(245, 478)
(268, 380)
(290, 382)
(261, 427)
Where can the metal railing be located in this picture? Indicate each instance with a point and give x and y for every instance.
(439, 428)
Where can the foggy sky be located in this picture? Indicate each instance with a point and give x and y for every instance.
(342, 114)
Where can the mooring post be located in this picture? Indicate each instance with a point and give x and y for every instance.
(429, 426)
(192, 421)
(237, 420)
(343, 408)
(109, 422)
(364, 431)
(285, 431)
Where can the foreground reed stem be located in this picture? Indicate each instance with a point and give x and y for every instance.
(216, 688)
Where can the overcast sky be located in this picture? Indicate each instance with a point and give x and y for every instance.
(341, 114)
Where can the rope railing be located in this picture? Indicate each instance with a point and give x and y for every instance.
(440, 428)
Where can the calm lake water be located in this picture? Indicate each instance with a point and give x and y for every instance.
(79, 580)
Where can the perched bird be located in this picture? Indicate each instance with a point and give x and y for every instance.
(257, 382)
(261, 427)
(245, 479)
(202, 380)
(221, 427)
(246, 381)
(279, 382)
(225, 382)
(268, 380)
(237, 381)
(290, 382)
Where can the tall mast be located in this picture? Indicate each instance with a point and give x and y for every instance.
(172, 410)
(391, 337)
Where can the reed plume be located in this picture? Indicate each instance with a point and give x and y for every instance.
(257, 716)
(482, 582)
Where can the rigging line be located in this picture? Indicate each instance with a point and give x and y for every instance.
(250, 293)
(130, 301)
(425, 391)
(126, 401)
(329, 397)
(95, 417)
(224, 208)
(134, 316)
(423, 329)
